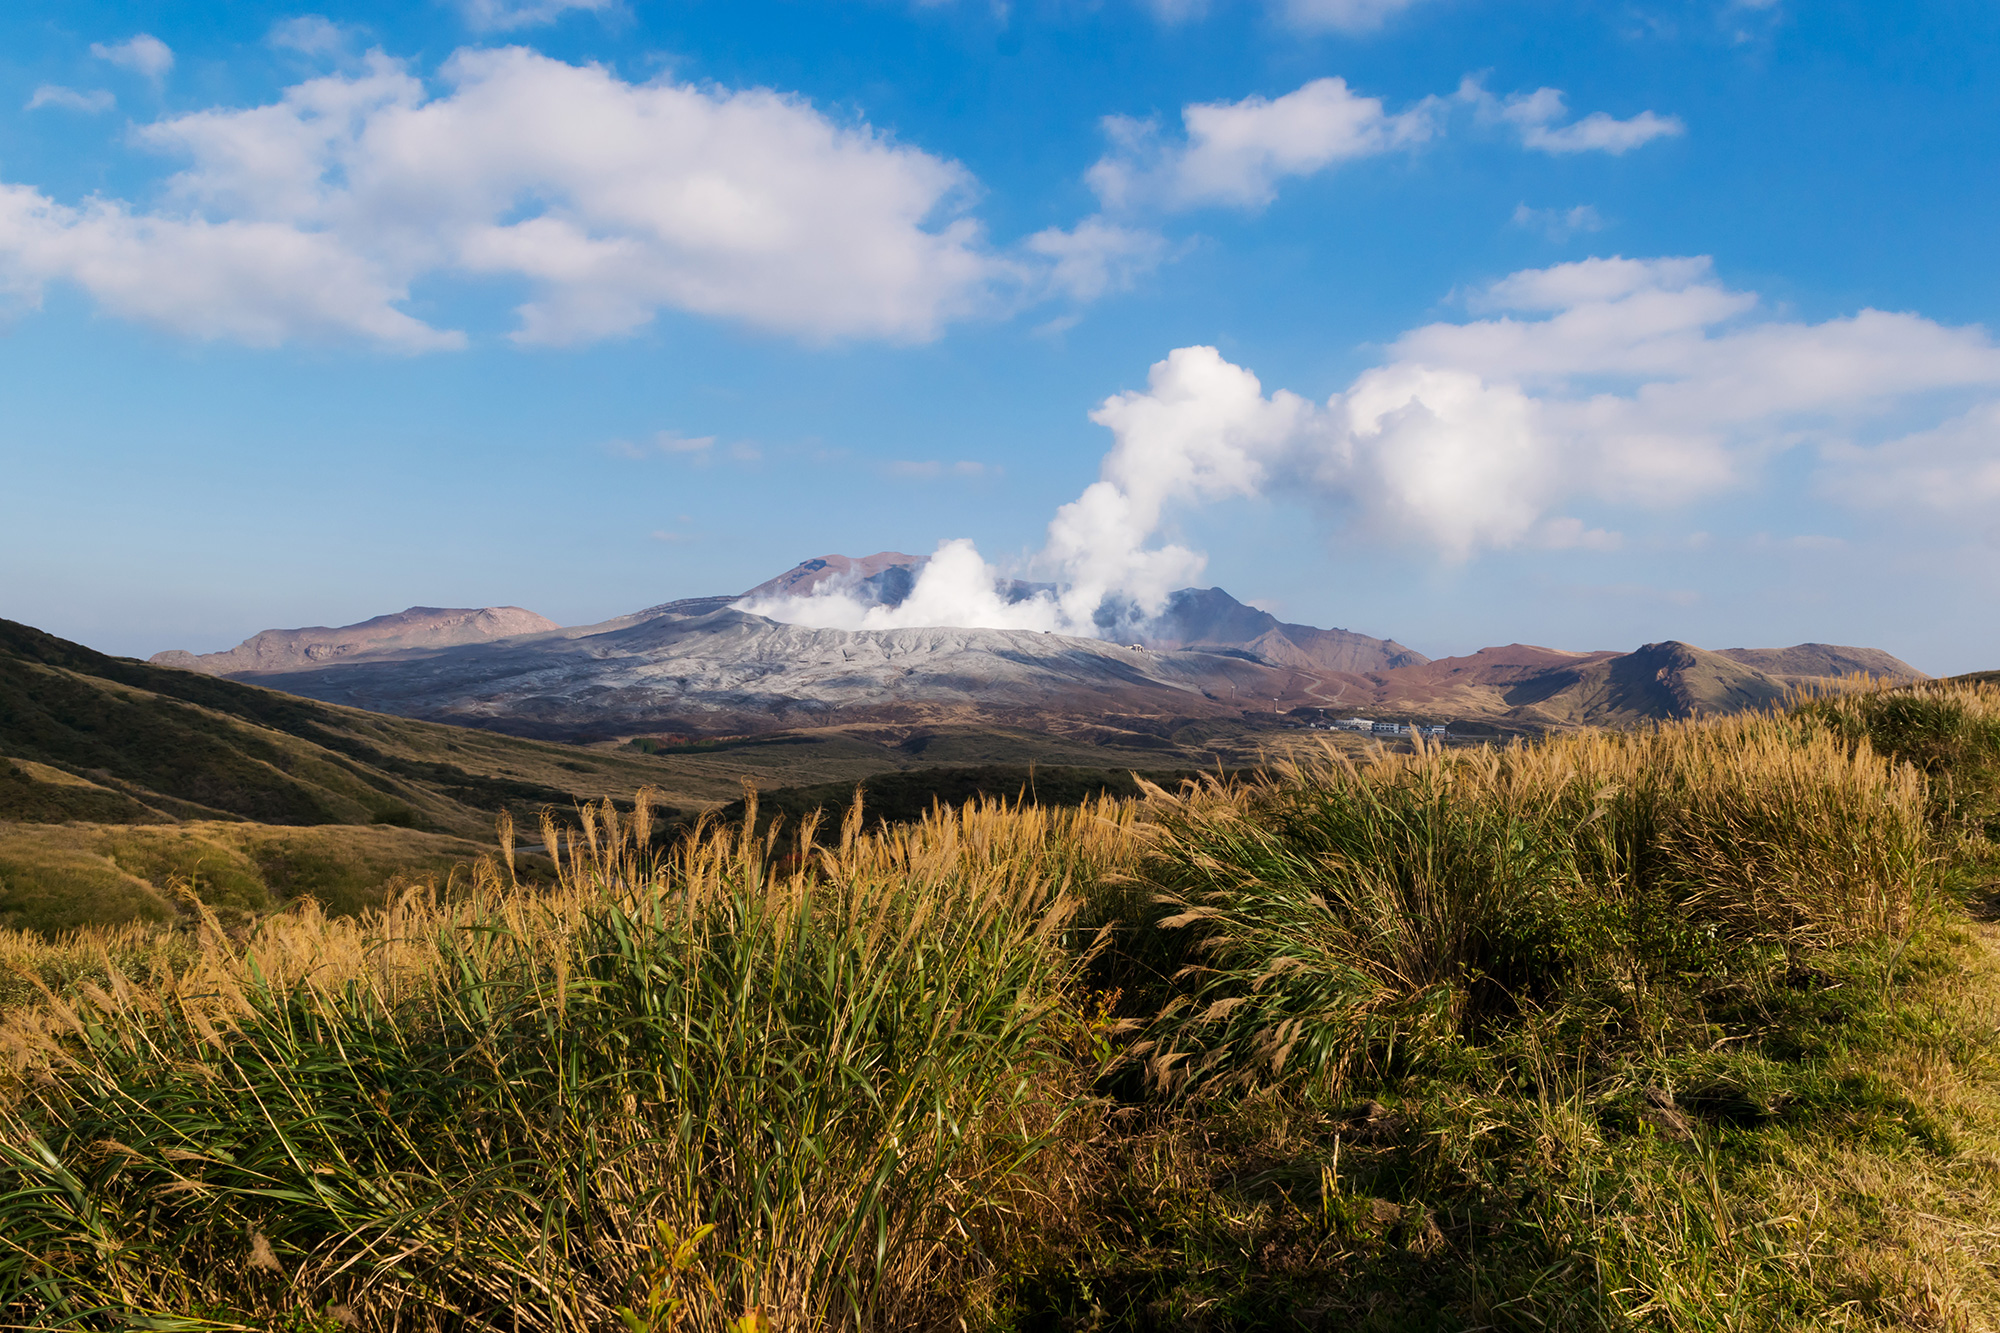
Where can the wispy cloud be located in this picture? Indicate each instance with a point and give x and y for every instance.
(511, 15)
(931, 469)
(144, 55)
(1347, 16)
(312, 35)
(1559, 224)
(1539, 119)
(70, 99)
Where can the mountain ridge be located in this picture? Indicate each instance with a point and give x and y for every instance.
(414, 628)
(704, 667)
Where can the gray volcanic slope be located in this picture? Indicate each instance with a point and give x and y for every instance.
(419, 627)
(727, 671)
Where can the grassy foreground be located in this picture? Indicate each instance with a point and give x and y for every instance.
(1691, 1028)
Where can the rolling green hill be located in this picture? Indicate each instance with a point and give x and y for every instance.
(103, 739)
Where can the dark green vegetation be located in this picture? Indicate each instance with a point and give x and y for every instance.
(1682, 1029)
(905, 797)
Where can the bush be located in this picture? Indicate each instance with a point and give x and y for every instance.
(1337, 915)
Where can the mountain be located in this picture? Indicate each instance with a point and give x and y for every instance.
(1524, 685)
(418, 627)
(884, 578)
(1210, 620)
(700, 667)
(729, 672)
(1198, 619)
(1817, 661)
(1659, 680)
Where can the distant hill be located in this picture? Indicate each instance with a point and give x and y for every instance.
(110, 740)
(418, 627)
(1658, 681)
(1210, 620)
(1817, 661)
(704, 667)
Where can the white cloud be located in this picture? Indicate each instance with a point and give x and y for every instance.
(312, 35)
(931, 469)
(1559, 224)
(1951, 470)
(315, 215)
(1350, 16)
(1535, 116)
(50, 94)
(145, 55)
(1096, 256)
(1606, 384)
(509, 15)
(1235, 153)
(1644, 383)
(252, 281)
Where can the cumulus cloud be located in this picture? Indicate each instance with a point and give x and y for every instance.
(51, 94)
(611, 201)
(1537, 118)
(252, 281)
(145, 55)
(1607, 383)
(510, 15)
(1236, 154)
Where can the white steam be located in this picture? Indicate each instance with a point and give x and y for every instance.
(1608, 382)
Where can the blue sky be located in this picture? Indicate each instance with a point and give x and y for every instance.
(1574, 323)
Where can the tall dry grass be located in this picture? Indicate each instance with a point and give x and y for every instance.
(1339, 914)
(694, 1091)
(829, 1078)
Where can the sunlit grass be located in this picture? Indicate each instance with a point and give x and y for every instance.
(1683, 1028)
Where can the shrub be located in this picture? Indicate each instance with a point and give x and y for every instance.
(1335, 915)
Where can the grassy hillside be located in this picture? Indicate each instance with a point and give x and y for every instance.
(1684, 1029)
(58, 877)
(90, 737)
(94, 749)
